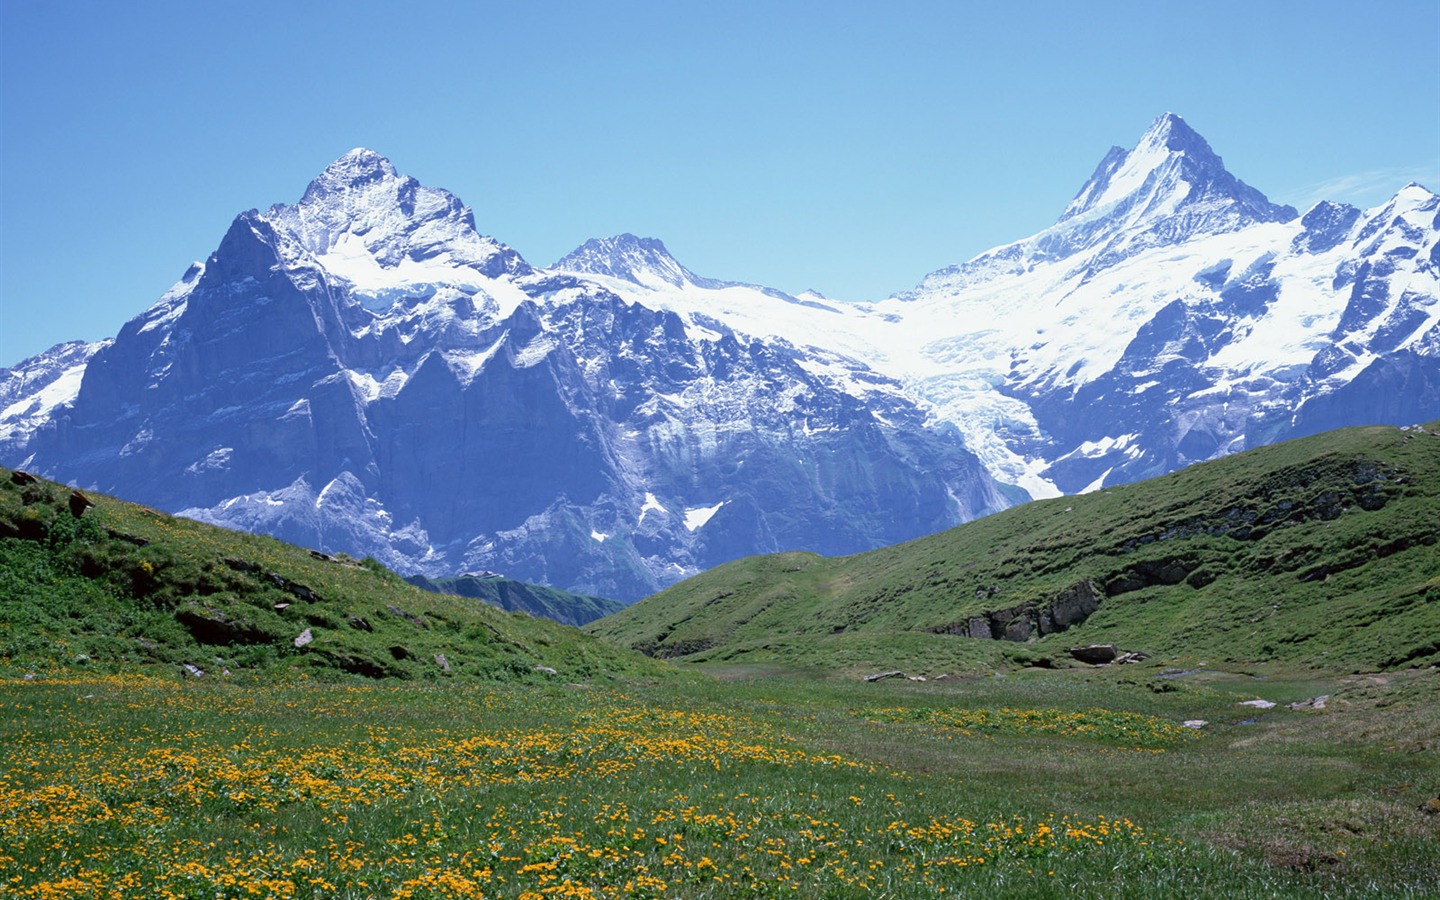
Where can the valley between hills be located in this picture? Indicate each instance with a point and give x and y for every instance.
(200, 712)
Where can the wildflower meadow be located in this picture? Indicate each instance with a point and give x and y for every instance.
(133, 785)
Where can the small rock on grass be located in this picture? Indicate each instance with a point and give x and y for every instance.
(1095, 654)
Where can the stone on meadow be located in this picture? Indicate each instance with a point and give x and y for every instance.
(1095, 654)
(880, 676)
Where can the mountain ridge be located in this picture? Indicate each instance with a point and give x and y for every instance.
(640, 260)
(293, 379)
(1168, 188)
(363, 371)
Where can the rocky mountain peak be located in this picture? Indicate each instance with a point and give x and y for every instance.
(353, 171)
(361, 210)
(362, 194)
(639, 260)
(1170, 168)
(1170, 188)
(1175, 135)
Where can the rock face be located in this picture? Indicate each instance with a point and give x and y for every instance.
(1070, 607)
(79, 504)
(364, 372)
(1020, 623)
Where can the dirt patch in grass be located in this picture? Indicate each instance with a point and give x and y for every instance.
(1328, 836)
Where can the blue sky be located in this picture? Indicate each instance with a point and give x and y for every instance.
(846, 147)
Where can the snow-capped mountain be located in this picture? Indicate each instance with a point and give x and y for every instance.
(643, 262)
(31, 391)
(363, 371)
(1167, 190)
(1170, 315)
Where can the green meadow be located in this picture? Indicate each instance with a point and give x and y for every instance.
(187, 712)
(1034, 784)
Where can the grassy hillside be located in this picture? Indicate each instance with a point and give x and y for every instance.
(122, 585)
(1320, 551)
(519, 596)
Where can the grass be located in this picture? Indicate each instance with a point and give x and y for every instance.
(1038, 784)
(1318, 551)
(123, 586)
(541, 762)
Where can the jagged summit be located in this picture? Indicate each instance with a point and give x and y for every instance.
(1170, 188)
(354, 169)
(639, 260)
(361, 211)
(1121, 171)
(1171, 168)
(1176, 135)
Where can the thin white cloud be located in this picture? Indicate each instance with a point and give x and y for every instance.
(1364, 189)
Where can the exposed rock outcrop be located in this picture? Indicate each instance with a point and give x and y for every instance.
(210, 625)
(1069, 607)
